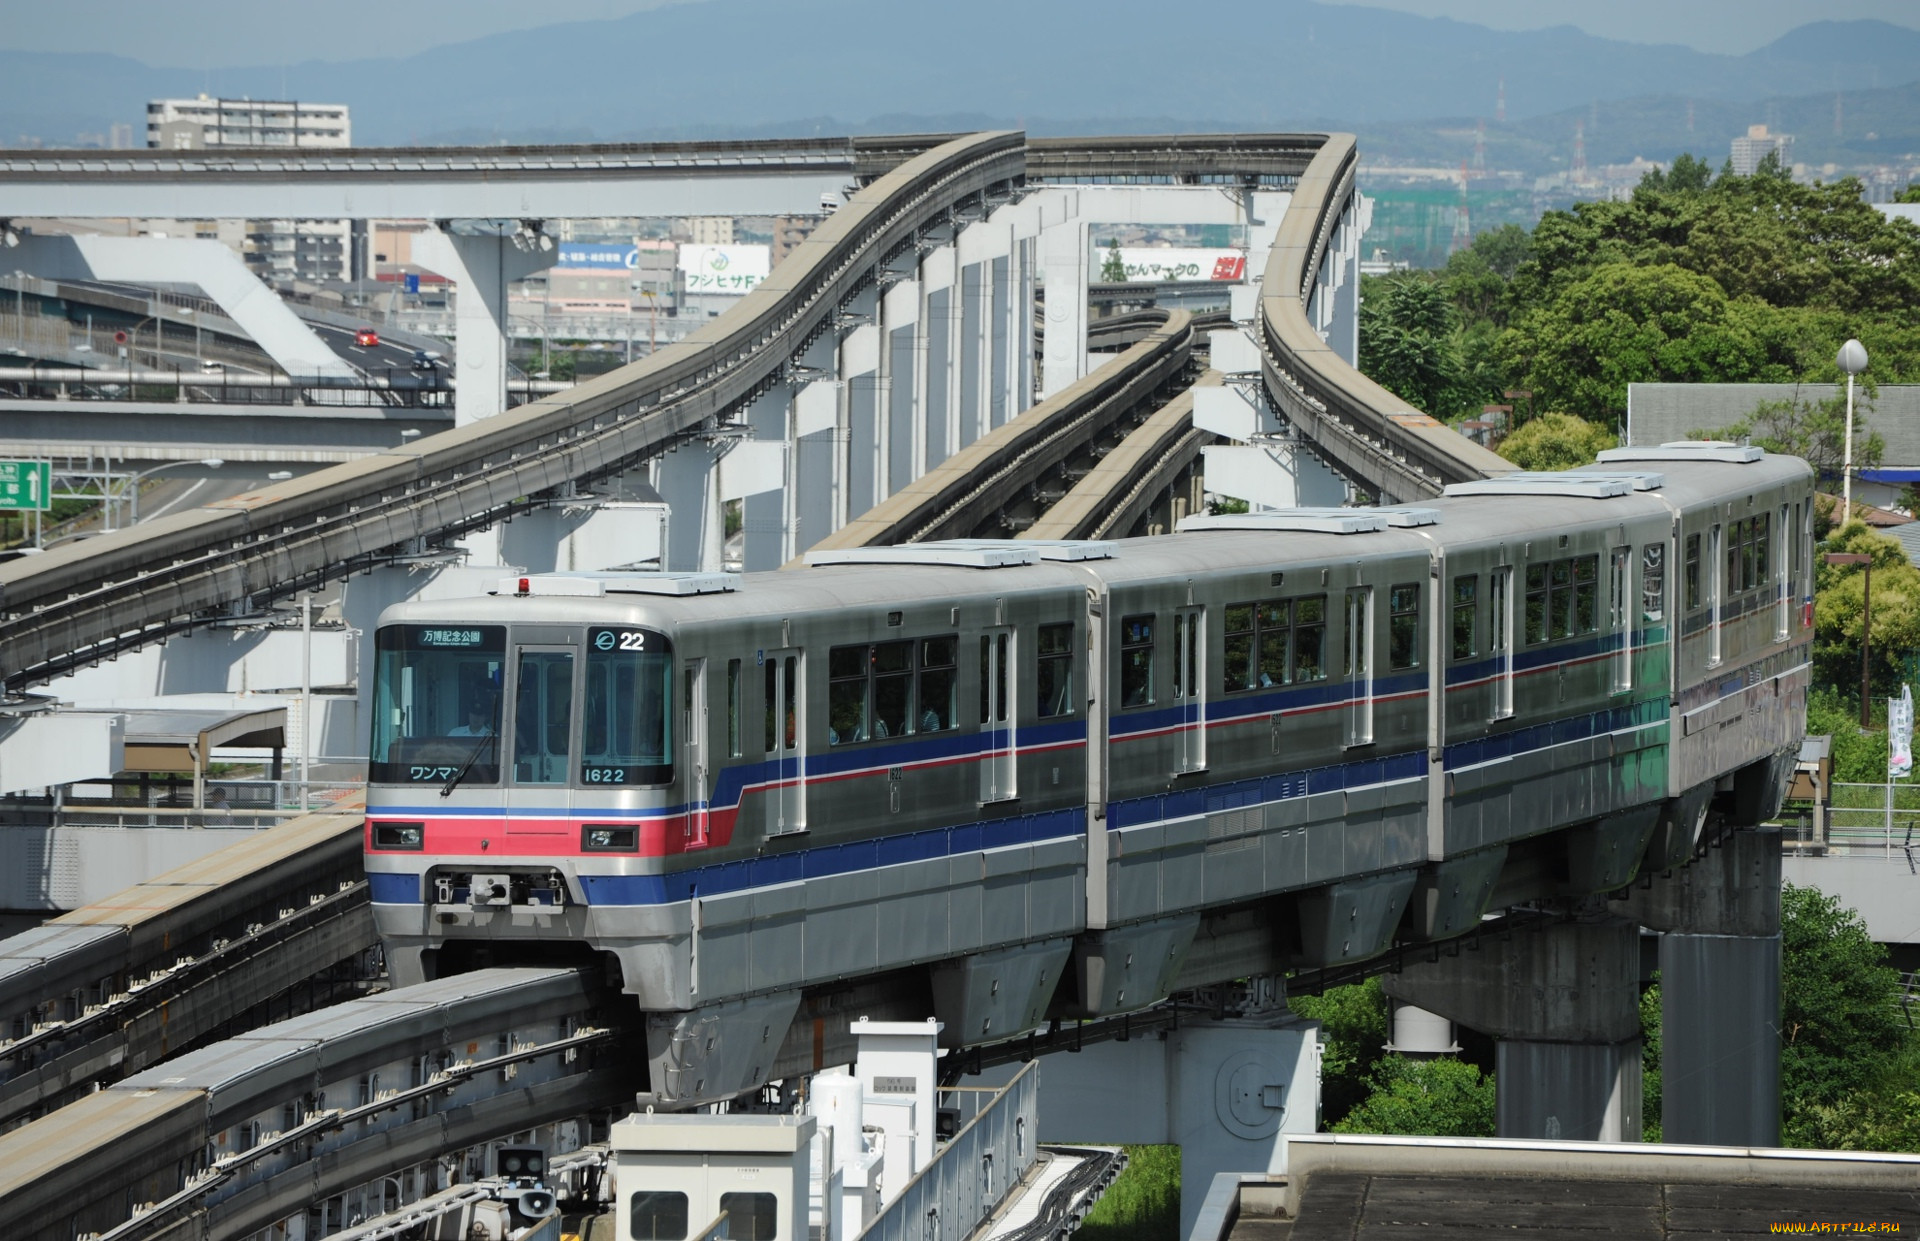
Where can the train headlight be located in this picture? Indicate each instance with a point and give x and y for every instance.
(399, 835)
(608, 838)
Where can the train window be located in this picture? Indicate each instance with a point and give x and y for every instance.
(1274, 642)
(627, 734)
(1310, 638)
(436, 696)
(1653, 582)
(1403, 626)
(733, 708)
(1055, 679)
(892, 688)
(939, 683)
(847, 668)
(1536, 603)
(1560, 599)
(657, 1215)
(1136, 661)
(1465, 616)
(1563, 598)
(1586, 594)
(751, 1217)
(871, 689)
(1691, 573)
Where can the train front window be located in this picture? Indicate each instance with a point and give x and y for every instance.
(543, 717)
(628, 721)
(436, 704)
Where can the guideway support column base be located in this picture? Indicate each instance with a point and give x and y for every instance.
(1719, 991)
(1563, 1001)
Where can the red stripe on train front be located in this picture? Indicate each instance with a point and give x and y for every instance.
(475, 837)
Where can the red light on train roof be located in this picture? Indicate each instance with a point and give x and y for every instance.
(526, 587)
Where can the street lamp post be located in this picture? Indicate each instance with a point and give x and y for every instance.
(1852, 359)
(1866, 623)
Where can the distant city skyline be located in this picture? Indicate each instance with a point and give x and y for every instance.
(215, 34)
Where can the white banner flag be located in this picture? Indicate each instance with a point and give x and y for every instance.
(1900, 734)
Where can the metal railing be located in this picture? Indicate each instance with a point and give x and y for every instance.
(971, 1174)
(1860, 820)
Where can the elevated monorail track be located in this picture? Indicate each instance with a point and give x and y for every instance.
(72, 607)
(1367, 432)
(1115, 494)
(966, 494)
(78, 605)
(199, 951)
(225, 1141)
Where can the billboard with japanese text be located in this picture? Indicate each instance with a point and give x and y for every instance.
(585, 256)
(1169, 265)
(729, 270)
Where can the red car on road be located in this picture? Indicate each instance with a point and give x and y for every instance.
(366, 338)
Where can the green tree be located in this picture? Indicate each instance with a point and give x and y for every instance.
(1406, 340)
(1840, 601)
(1840, 1031)
(1143, 1204)
(1353, 1028)
(1858, 757)
(1625, 323)
(1443, 1097)
(1556, 442)
(1650, 1061)
(1909, 195)
(1815, 431)
(1114, 269)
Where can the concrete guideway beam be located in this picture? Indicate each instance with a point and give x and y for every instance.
(1719, 991)
(218, 271)
(483, 265)
(1563, 1000)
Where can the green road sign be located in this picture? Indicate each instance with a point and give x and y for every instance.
(26, 485)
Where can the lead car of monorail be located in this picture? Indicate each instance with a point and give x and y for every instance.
(1036, 770)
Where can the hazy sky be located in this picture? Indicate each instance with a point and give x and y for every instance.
(215, 33)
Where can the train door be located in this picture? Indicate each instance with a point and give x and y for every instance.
(1359, 665)
(1189, 689)
(998, 718)
(1500, 631)
(542, 744)
(786, 742)
(693, 727)
(1622, 614)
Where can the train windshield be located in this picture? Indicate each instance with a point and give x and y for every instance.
(628, 716)
(436, 704)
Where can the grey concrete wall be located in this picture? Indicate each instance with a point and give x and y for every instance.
(1884, 890)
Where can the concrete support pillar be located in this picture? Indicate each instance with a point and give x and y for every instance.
(1063, 267)
(856, 465)
(482, 265)
(1563, 1001)
(763, 515)
(688, 479)
(936, 396)
(1224, 1091)
(902, 357)
(1719, 992)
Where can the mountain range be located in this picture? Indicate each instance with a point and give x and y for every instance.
(726, 68)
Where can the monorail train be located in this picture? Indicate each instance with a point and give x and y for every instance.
(905, 757)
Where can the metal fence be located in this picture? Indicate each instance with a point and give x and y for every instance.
(968, 1178)
(250, 804)
(1860, 820)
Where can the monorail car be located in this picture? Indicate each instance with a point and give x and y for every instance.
(906, 757)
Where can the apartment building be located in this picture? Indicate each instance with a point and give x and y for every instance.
(278, 251)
